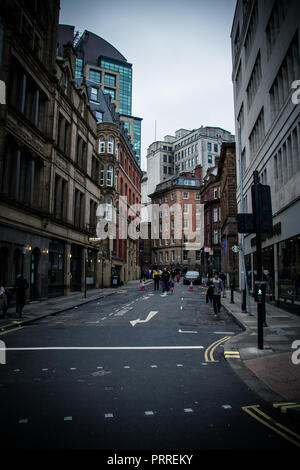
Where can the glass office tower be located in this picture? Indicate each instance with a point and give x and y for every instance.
(125, 71)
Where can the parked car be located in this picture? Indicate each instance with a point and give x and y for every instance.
(192, 276)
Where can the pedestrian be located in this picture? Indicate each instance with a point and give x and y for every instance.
(156, 278)
(171, 286)
(165, 280)
(20, 287)
(218, 287)
(178, 278)
(223, 279)
(3, 301)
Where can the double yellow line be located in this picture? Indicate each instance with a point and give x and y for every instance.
(209, 352)
(255, 412)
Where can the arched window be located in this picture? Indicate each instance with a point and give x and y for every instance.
(117, 151)
(109, 208)
(109, 175)
(111, 142)
(102, 175)
(101, 144)
(121, 186)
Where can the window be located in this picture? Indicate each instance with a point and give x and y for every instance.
(109, 208)
(101, 144)
(95, 76)
(198, 224)
(109, 175)
(215, 147)
(209, 158)
(185, 208)
(165, 158)
(111, 142)
(79, 68)
(197, 197)
(94, 94)
(111, 92)
(216, 237)
(257, 134)
(198, 209)
(216, 193)
(209, 146)
(173, 256)
(216, 214)
(254, 81)
(289, 71)
(185, 255)
(198, 256)
(102, 176)
(167, 256)
(185, 223)
(185, 195)
(172, 196)
(165, 170)
(109, 79)
(99, 116)
(160, 257)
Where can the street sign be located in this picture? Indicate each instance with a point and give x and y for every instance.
(235, 248)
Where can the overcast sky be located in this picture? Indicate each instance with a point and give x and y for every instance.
(181, 56)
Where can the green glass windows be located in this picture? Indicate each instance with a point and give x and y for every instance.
(111, 92)
(95, 76)
(125, 82)
(79, 68)
(109, 79)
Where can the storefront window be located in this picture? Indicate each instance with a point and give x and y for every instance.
(56, 269)
(289, 268)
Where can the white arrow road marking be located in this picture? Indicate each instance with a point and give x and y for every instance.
(181, 331)
(150, 315)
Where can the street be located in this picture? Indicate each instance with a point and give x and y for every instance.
(138, 370)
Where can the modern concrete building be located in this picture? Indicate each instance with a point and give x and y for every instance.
(103, 65)
(265, 59)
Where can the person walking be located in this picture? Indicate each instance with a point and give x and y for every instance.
(165, 280)
(218, 288)
(20, 287)
(156, 278)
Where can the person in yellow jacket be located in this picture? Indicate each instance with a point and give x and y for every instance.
(156, 278)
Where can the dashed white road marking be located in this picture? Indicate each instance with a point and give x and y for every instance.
(181, 331)
(23, 421)
(149, 413)
(188, 410)
(68, 418)
(108, 415)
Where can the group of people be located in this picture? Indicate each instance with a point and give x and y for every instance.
(165, 277)
(20, 290)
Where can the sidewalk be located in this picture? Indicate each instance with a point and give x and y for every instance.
(36, 310)
(270, 372)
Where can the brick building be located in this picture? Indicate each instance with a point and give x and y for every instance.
(177, 222)
(210, 198)
(229, 235)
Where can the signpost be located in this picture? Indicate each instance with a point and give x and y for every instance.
(259, 222)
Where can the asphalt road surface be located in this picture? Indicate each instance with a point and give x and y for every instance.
(137, 370)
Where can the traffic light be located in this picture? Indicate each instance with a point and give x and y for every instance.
(265, 207)
(245, 223)
(259, 291)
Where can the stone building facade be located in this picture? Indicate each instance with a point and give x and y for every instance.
(49, 190)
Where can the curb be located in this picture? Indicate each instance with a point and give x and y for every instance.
(245, 374)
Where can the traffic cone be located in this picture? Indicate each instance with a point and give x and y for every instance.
(143, 285)
(191, 286)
